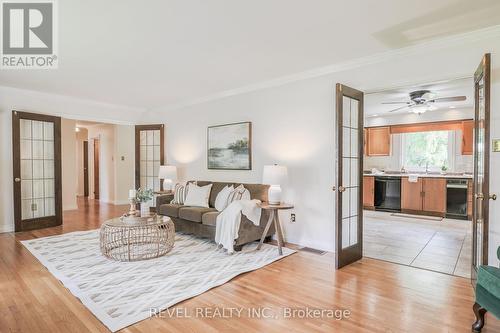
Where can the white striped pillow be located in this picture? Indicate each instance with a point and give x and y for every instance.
(238, 193)
(180, 193)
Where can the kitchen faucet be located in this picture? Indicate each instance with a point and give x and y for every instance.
(426, 167)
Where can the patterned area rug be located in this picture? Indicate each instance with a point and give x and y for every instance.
(120, 294)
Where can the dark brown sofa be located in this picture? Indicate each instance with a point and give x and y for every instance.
(201, 221)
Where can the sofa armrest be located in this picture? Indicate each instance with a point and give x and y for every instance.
(163, 199)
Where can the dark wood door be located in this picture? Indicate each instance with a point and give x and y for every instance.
(85, 168)
(36, 149)
(481, 195)
(349, 182)
(97, 145)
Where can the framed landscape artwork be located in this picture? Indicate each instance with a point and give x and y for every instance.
(230, 146)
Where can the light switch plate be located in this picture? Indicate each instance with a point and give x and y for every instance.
(496, 145)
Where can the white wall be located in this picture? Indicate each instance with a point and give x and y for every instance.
(30, 101)
(124, 162)
(294, 125)
(105, 133)
(69, 168)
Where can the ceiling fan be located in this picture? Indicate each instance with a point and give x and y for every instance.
(423, 100)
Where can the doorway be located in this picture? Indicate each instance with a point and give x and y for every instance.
(85, 168)
(97, 144)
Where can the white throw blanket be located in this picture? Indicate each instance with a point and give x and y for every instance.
(229, 220)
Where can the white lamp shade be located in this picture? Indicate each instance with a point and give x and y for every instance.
(167, 172)
(274, 174)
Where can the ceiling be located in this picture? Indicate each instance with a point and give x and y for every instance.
(163, 52)
(461, 87)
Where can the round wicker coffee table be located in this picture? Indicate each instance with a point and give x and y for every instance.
(137, 239)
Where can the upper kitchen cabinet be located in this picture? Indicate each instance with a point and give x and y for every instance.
(378, 141)
(467, 137)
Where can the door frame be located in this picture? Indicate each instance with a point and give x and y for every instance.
(86, 168)
(97, 167)
(138, 129)
(353, 253)
(47, 221)
(483, 71)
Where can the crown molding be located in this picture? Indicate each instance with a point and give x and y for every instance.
(433, 44)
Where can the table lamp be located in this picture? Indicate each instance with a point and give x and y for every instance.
(274, 175)
(168, 173)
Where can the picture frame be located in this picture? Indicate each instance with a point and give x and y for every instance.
(229, 146)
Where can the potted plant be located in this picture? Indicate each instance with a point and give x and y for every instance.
(144, 196)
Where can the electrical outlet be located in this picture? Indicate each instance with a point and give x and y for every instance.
(292, 217)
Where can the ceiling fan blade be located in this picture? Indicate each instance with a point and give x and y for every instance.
(449, 99)
(400, 108)
(395, 103)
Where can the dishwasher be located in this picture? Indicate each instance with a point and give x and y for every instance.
(388, 194)
(456, 198)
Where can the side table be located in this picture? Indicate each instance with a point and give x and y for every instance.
(274, 217)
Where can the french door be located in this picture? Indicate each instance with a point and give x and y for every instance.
(480, 205)
(36, 147)
(149, 155)
(349, 171)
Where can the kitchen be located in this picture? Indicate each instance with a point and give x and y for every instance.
(417, 179)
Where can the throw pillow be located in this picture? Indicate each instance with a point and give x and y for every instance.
(180, 193)
(221, 199)
(239, 193)
(198, 195)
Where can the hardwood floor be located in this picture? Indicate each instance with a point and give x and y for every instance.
(381, 296)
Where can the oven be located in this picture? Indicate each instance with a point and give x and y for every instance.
(456, 198)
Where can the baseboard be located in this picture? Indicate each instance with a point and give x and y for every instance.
(4, 229)
(121, 202)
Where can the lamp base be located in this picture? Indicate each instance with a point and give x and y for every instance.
(274, 195)
(167, 185)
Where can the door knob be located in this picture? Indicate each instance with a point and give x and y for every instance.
(493, 196)
(341, 189)
(17, 180)
(479, 196)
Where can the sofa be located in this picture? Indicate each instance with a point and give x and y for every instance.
(201, 221)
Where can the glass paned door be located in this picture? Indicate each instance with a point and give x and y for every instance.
(349, 166)
(149, 157)
(480, 205)
(37, 167)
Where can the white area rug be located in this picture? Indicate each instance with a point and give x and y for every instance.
(122, 293)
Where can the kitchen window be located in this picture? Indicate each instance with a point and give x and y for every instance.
(431, 151)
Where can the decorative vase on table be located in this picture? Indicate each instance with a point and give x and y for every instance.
(144, 197)
(145, 209)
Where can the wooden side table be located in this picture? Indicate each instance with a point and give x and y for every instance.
(274, 217)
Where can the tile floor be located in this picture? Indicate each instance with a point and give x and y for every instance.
(442, 246)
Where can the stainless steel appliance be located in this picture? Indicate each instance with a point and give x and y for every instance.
(388, 193)
(456, 198)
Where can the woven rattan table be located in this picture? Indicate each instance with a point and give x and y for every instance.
(128, 240)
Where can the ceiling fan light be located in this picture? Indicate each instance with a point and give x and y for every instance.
(418, 109)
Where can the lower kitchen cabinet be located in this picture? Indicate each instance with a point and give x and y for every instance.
(368, 192)
(411, 194)
(434, 195)
(425, 195)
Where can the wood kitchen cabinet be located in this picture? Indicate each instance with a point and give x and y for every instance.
(368, 192)
(434, 195)
(411, 195)
(425, 195)
(378, 141)
(467, 137)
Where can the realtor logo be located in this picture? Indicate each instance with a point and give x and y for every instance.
(28, 34)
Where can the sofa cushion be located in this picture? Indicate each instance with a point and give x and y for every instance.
(194, 214)
(171, 210)
(210, 218)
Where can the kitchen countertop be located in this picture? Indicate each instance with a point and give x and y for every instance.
(420, 175)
